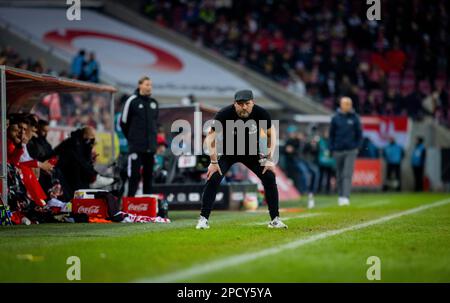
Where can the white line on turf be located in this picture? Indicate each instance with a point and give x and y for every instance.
(227, 262)
(288, 218)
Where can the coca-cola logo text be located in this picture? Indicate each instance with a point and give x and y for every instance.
(89, 210)
(138, 207)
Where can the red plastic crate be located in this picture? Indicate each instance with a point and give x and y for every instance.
(94, 208)
(142, 206)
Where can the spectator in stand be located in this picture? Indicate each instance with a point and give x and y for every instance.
(418, 159)
(324, 48)
(393, 154)
(53, 103)
(78, 66)
(92, 69)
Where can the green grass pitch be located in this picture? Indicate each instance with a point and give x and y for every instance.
(412, 248)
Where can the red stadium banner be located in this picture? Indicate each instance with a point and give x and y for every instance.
(367, 173)
(380, 128)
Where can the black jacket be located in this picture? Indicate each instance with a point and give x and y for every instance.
(40, 149)
(139, 123)
(345, 131)
(75, 163)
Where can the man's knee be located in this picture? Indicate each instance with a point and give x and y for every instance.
(268, 178)
(134, 175)
(215, 179)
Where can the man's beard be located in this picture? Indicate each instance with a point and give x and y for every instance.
(243, 114)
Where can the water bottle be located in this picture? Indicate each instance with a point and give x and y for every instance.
(163, 208)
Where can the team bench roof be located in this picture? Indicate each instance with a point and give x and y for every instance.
(24, 89)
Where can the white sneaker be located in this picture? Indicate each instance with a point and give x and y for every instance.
(311, 203)
(202, 223)
(101, 182)
(277, 223)
(342, 201)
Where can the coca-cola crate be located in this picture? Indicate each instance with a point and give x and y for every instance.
(142, 206)
(95, 208)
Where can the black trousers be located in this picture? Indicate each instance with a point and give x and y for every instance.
(136, 161)
(325, 172)
(225, 162)
(418, 177)
(112, 202)
(395, 170)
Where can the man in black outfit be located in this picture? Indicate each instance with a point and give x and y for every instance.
(239, 128)
(40, 149)
(76, 163)
(139, 125)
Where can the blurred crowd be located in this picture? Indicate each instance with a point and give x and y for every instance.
(10, 57)
(76, 109)
(83, 67)
(323, 49)
(62, 109)
(308, 161)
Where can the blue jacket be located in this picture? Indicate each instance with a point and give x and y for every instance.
(418, 156)
(345, 131)
(77, 65)
(393, 153)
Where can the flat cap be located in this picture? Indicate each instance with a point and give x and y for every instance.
(243, 95)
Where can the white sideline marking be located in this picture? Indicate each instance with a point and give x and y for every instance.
(227, 262)
(288, 218)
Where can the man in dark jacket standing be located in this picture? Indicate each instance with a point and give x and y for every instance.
(418, 159)
(139, 125)
(345, 139)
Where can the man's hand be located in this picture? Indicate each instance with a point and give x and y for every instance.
(268, 166)
(46, 166)
(289, 149)
(212, 168)
(95, 155)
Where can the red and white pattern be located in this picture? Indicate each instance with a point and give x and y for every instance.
(144, 219)
(379, 129)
